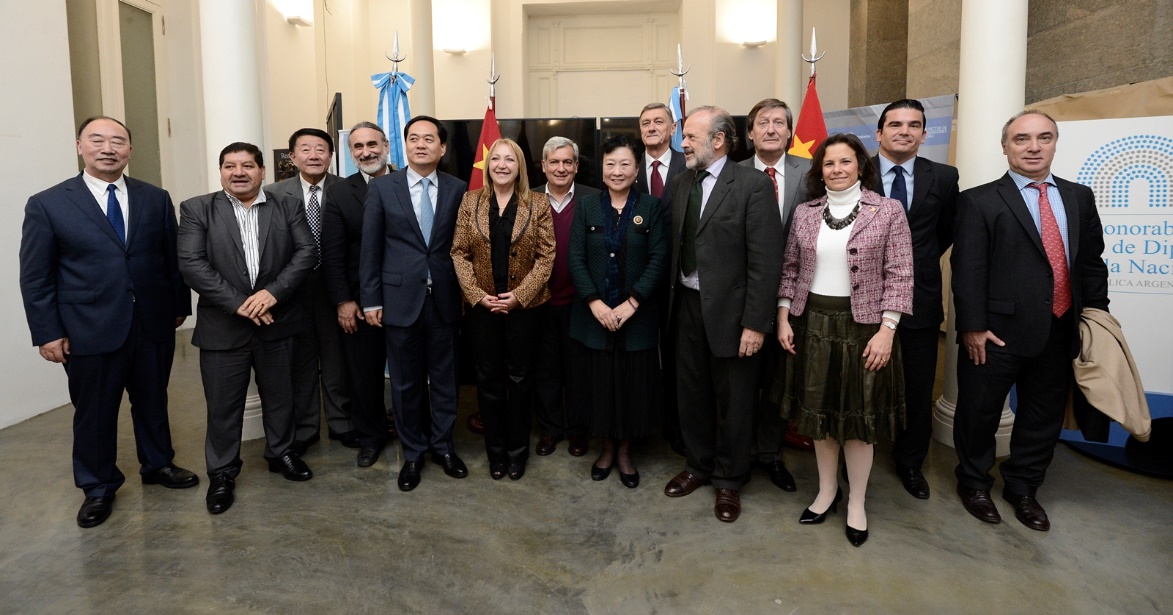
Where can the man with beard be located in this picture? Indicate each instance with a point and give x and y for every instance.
(363, 349)
(726, 262)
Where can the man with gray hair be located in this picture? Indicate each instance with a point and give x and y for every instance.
(726, 262)
(560, 164)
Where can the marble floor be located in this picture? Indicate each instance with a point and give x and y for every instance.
(556, 542)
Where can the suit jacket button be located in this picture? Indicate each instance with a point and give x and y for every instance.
(854, 268)
(855, 287)
(512, 277)
(853, 251)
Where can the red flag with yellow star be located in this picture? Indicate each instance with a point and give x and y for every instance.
(490, 132)
(810, 130)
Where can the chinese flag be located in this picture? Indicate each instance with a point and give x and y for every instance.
(490, 132)
(810, 130)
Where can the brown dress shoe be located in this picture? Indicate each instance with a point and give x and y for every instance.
(578, 446)
(683, 484)
(978, 503)
(476, 423)
(728, 506)
(1028, 511)
(547, 444)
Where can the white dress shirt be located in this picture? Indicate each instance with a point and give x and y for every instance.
(99, 189)
(780, 177)
(694, 281)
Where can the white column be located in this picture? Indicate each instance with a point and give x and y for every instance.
(232, 108)
(992, 88)
(788, 82)
(421, 65)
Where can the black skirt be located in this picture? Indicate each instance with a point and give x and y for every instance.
(825, 389)
(616, 393)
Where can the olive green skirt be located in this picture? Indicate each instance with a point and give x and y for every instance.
(825, 390)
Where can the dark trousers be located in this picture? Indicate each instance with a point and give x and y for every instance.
(768, 424)
(1042, 383)
(671, 415)
(317, 364)
(226, 374)
(716, 397)
(504, 347)
(554, 373)
(365, 352)
(918, 348)
(140, 367)
(423, 353)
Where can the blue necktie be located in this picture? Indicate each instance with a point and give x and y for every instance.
(427, 215)
(114, 213)
(899, 189)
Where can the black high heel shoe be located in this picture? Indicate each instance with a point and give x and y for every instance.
(810, 518)
(856, 537)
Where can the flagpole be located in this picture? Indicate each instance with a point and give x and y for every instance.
(395, 57)
(680, 72)
(815, 56)
(492, 80)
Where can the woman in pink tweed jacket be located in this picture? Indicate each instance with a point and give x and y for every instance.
(846, 280)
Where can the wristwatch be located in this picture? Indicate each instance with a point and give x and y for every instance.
(888, 323)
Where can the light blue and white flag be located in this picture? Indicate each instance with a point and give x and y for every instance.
(677, 118)
(394, 111)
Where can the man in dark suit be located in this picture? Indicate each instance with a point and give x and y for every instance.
(246, 252)
(409, 289)
(770, 125)
(103, 296)
(363, 347)
(726, 262)
(1026, 260)
(928, 191)
(554, 367)
(659, 165)
(318, 380)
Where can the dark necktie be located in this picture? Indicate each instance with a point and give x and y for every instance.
(1053, 245)
(114, 213)
(692, 218)
(772, 172)
(899, 189)
(313, 215)
(657, 182)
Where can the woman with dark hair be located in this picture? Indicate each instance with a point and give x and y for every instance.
(846, 279)
(503, 252)
(618, 254)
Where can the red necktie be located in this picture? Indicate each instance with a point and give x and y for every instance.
(657, 181)
(1053, 244)
(770, 171)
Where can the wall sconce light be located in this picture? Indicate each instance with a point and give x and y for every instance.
(297, 12)
(455, 52)
(753, 44)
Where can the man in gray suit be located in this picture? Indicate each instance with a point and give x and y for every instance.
(726, 261)
(771, 124)
(245, 252)
(318, 378)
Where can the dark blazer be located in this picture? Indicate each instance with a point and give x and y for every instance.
(342, 223)
(930, 220)
(793, 183)
(531, 259)
(393, 270)
(211, 258)
(1002, 280)
(738, 253)
(646, 258)
(675, 167)
(77, 279)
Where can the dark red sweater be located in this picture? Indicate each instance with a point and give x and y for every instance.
(561, 286)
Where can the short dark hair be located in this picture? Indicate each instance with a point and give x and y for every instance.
(903, 103)
(311, 132)
(92, 119)
(440, 129)
(867, 170)
(766, 105)
(241, 146)
(619, 141)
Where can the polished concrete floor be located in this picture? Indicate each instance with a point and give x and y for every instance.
(555, 542)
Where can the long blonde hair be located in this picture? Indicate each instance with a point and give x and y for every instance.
(521, 184)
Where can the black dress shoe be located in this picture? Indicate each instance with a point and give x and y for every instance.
(978, 503)
(811, 518)
(631, 481)
(856, 537)
(409, 475)
(452, 465)
(914, 482)
(547, 445)
(498, 470)
(95, 510)
(516, 470)
(367, 456)
(598, 473)
(780, 476)
(291, 467)
(220, 496)
(348, 439)
(1028, 511)
(171, 476)
(579, 445)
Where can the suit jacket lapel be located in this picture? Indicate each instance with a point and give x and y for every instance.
(134, 210)
(444, 202)
(720, 189)
(518, 223)
(225, 212)
(81, 196)
(264, 222)
(1071, 207)
(922, 178)
(1013, 198)
(793, 180)
(403, 195)
(868, 208)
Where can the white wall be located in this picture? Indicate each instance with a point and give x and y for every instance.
(36, 151)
